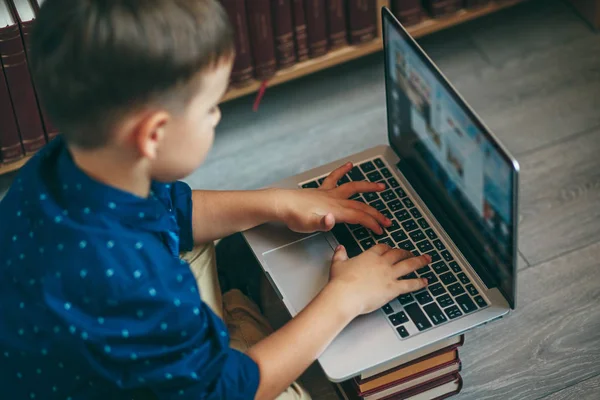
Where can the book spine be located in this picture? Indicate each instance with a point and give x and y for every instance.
(283, 28)
(242, 72)
(361, 21)
(51, 131)
(260, 29)
(21, 90)
(408, 12)
(300, 33)
(10, 143)
(316, 24)
(336, 16)
(475, 3)
(438, 8)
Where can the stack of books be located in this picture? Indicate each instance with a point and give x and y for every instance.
(427, 374)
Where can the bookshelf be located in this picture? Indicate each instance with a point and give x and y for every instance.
(348, 53)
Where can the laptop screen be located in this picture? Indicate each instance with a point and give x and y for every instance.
(453, 158)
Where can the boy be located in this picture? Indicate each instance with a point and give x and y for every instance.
(94, 299)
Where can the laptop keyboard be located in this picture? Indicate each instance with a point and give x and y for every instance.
(450, 293)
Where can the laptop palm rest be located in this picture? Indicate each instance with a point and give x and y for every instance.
(300, 270)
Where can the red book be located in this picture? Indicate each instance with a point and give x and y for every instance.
(362, 24)
(438, 8)
(10, 142)
(316, 23)
(336, 16)
(476, 3)
(26, 11)
(300, 34)
(243, 71)
(20, 86)
(283, 27)
(262, 43)
(408, 12)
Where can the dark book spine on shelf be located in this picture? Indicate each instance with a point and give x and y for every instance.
(10, 143)
(20, 88)
(438, 8)
(316, 24)
(408, 12)
(260, 29)
(300, 34)
(476, 3)
(283, 27)
(362, 25)
(336, 16)
(242, 72)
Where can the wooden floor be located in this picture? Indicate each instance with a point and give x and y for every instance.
(533, 73)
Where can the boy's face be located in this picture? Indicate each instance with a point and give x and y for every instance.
(189, 136)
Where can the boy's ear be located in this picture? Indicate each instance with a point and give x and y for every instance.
(150, 134)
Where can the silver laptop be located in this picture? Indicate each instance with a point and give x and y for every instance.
(451, 193)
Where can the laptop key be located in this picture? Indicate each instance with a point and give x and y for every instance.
(408, 203)
(386, 173)
(465, 303)
(379, 237)
(379, 163)
(448, 278)
(435, 256)
(387, 214)
(402, 215)
(430, 276)
(455, 267)
(378, 205)
(462, 277)
(356, 175)
(412, 275)
(405, 298)
(417, 235)
(423, 224)
(417, 316)
(374, 176)
(400, 192)
(472, 291)
(354, 196)
(439, 245)
(480, 302)
(388, 195)
(371, 196)
(410, 225)
(439, 267)
(321, 180)
(343, 236)
(453, 312)
(424, 298)
(354, 226)
(399, 236)
(387, 309)
(424, 246)
(395, 205)
(367, 243)
(385, 184)
(398, 318)
(393, 227)
(456, 289)
(402, 331)
(436, 289)
(343, 181)
(361, 199)
(406, 245)
(387, 241)
(435, 314)
(447, 256)
(431, 234)
(424, 269)
(361, 233)
(367, 167)
(393, 182)
(310, 185)
(415, 213)
(445, 300)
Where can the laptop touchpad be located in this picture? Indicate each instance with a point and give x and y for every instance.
(300, 269)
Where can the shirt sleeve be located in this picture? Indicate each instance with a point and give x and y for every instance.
(168, 342)
(181, 198)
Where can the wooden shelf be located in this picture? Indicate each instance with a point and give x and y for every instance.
(348, 53)
(6, 168)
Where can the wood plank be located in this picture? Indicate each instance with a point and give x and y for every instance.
(560, 192)
(586, 390)
(551, 341)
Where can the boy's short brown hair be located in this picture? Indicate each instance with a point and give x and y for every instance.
(94, 61)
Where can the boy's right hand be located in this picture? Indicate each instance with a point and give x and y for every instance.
(370, 280)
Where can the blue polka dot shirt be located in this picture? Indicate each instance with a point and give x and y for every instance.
(94, 300)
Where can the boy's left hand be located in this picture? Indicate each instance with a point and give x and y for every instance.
(310, 210)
